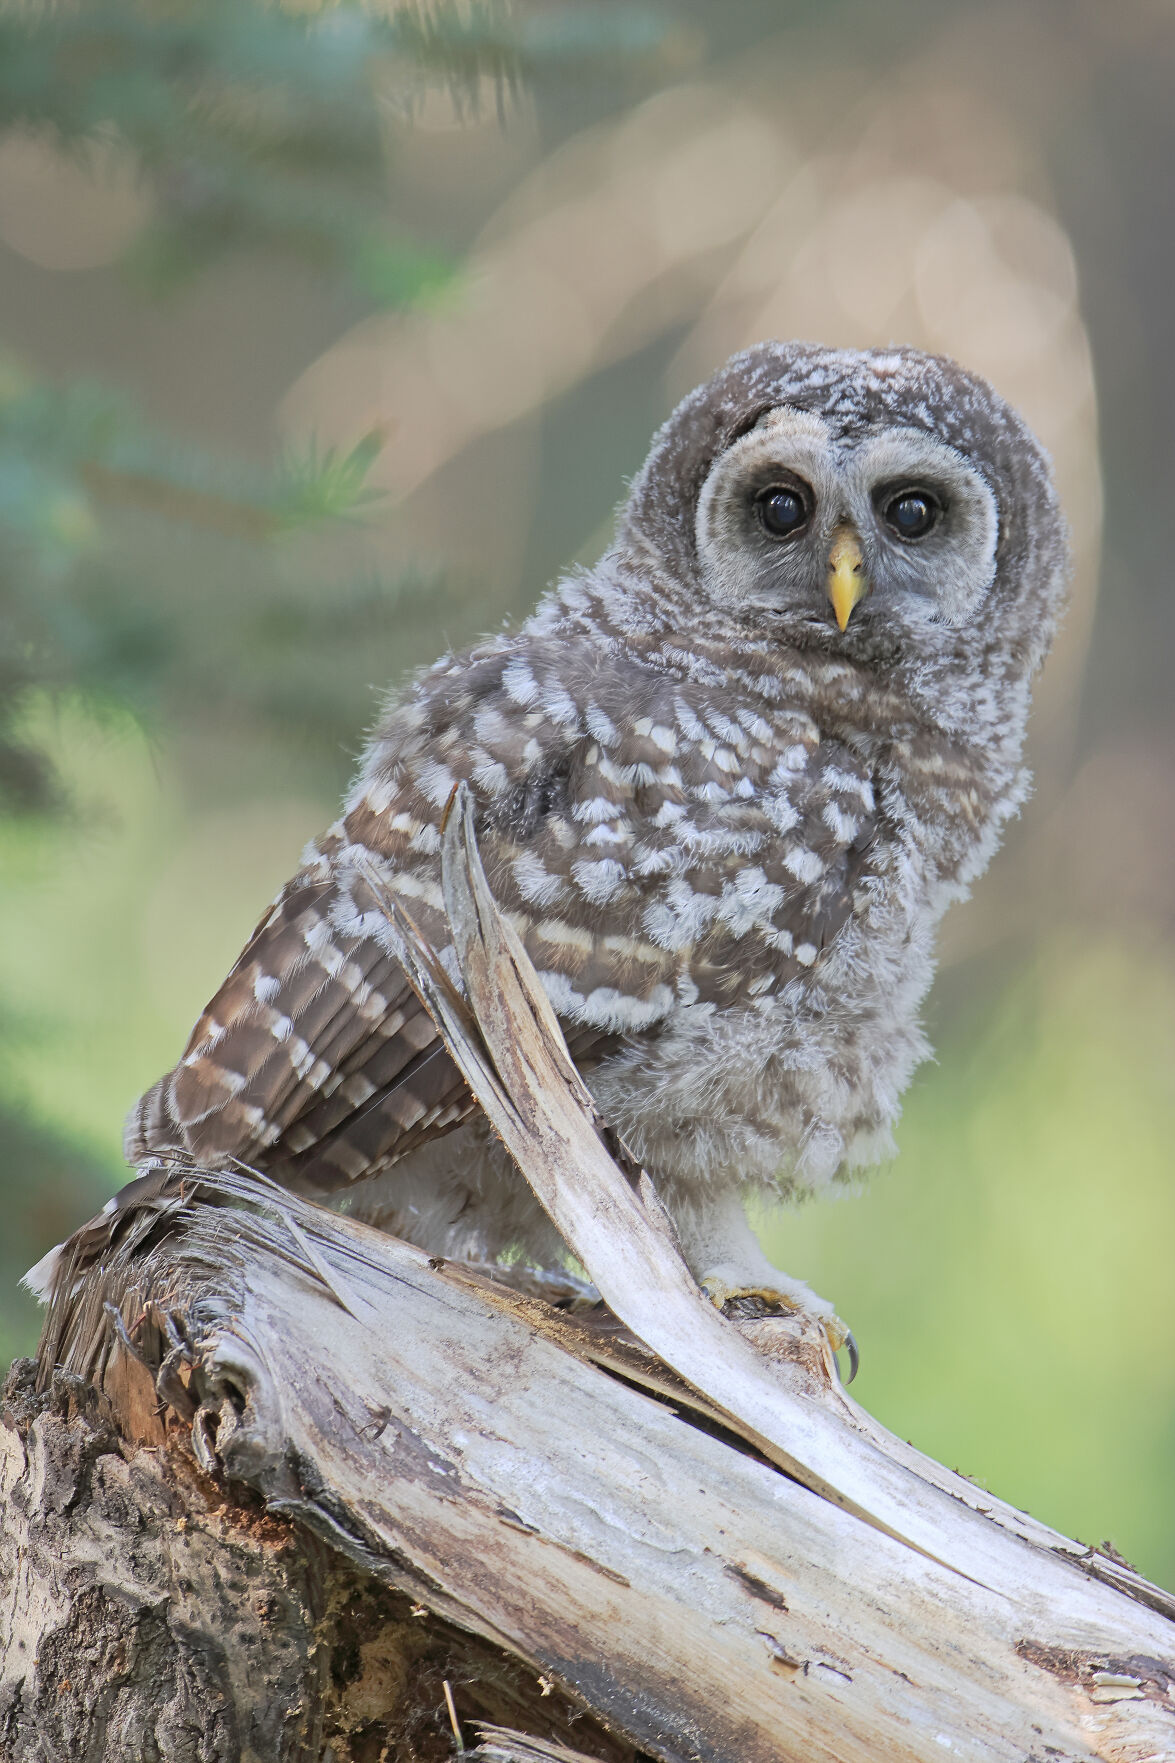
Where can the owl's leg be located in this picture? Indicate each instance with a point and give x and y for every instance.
(725, 1257)
(461, 1198)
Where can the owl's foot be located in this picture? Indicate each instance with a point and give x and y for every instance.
(728, 1288)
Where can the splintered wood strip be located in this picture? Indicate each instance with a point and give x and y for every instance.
(501, 1745)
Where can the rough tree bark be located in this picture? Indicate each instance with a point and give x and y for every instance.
(281, 1487)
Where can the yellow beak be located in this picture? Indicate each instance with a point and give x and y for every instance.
(847, 582)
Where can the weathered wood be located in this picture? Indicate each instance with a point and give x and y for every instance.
(661, 1532)
(151, 1615)
(117, 1569)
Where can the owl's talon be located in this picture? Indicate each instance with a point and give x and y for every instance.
(735, 1297)
(742, 1301)
(850, 1347)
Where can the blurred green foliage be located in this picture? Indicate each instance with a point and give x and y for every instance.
(71, 619)
(257, 129)
(260, 127)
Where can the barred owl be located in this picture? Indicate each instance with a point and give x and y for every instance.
(726, 783)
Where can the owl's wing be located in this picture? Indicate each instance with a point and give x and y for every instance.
(310, 1015)
(648, 863)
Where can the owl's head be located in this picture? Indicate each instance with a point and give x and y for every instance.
(880, 503)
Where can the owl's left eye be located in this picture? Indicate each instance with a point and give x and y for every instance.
(912, 513)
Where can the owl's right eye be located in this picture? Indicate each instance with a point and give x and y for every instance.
(783, 509)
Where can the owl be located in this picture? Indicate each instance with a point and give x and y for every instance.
(725, 785)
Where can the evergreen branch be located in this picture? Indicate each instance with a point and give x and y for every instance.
(255, 126)
(62, 447)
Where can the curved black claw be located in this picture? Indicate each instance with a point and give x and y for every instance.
(854, 1357)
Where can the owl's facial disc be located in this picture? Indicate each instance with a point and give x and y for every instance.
(892, 532)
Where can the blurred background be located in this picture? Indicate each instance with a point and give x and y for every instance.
(329, 334)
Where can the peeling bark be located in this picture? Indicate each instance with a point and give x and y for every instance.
(138, 1608)
(150, 1614)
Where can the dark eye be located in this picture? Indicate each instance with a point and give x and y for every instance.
(912, 513)
(782, 510)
